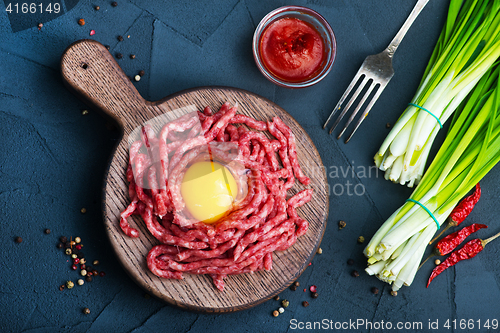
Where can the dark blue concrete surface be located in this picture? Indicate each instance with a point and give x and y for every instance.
(52, 162)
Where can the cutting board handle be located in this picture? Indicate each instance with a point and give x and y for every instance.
(90, 71)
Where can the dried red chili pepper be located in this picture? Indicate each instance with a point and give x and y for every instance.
(461, 211)
(450, 242)
(468, 251)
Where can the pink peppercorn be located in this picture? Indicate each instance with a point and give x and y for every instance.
(73, 267)
(313, 289)
(78, 246)
(102, 274)
(92, 32)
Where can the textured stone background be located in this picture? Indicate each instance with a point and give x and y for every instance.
(52, 162)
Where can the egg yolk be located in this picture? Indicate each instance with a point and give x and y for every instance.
(208, 190)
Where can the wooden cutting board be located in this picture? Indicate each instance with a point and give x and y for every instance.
(91, 72)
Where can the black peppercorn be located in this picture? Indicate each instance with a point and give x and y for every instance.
(119, 56)
(63, 239)
(114, 4)
(107, 47)
(314, 295)
(86, 311)
(18, 239)
(277, 298)
(296, 283)
(97, 7)
(120, 38)
(293, 287)
(88, 278)
(375, 290)
(132, 56)
(141, 73)
(47, 231)
(355, 273)
(305, 304)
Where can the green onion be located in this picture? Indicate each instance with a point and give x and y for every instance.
(470, 150)
(468, 46)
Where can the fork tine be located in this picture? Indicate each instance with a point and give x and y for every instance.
(344, 96)
(365, 112)
(370, 85)
(349, 104)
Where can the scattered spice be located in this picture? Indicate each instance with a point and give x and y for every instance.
(310, 264)
(47, 231)
(101, 274)
(74, 256)
(95, 263)
(312, 289)
(132, 56)
(137, 78)
(60, 245)
(468, 251)
(119, 56)
(281, 310)
(394, 293)
(342, 224)
(69, 284)
(296, 283)
(276, 313)
(97, 7)
(88, 278)
(141, 72)
(86, 311)
(114, 4)
(320, 251)
(92, 32)
(80, 282)
(81, 22)
(120, 38)
(95, 272)
(388, 125)
(83, 272)
(437, 262)
(72, 243)
(68, 251)
(305, 289)
(107, 47)
(63, 239)
(305, 304)
(375, 290)
(83, 210)
(285, 303)
(355, 273)
(277, 298)
(73, 267)
(293, 287)
(61, 287)
(18, 239)
(361, 239)
(128, 36)
(40, 25)
(78, 240)
(314, 295)
(78, 246)
(350, 262)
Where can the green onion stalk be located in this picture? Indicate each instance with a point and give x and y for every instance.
(468, 46)
(470, 150)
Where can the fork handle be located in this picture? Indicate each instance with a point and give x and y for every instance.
(404, 29)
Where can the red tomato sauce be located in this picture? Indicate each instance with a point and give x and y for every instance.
(292, 49)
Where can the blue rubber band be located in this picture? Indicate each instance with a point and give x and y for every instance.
(421, 108)
(428, 211)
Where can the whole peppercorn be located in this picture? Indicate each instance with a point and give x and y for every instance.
(83, 210)
(361, 239)
(437, 262)
(319, 251)
(82, 261)
(296, 283)
(276, 313)
(95, 263)
(86, 311)
(74, 256)
(388, 125)
(281, 310)
(82, 266)
(78, 239)
(132, 56)
(95, 272)
(285, 303)
(119, 56)
(137, 78)
(97, 7)
(63, 239)
(342, 224)
(73, 267)
(88, 278)
(83, 272)
(70, 284)
(142, 73)
(68, 251)
(314, 295)
(375, 290)
(355, 273)
(305, 304)
(394, 293)
(47, 231)
(277, 298)
(101, 274)
(114, 4)
(18, 239)
(107, 47)
(78, 246)
(120, 38)
(80, 282)
(293, 287)
(40, 26)
(61, 287)
(350, 262)
(81, 22)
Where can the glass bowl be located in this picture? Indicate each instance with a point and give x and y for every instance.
(314, 19)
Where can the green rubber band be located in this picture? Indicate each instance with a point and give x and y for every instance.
(427, 210)
(421, 108)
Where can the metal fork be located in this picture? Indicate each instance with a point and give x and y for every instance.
(376, 71)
